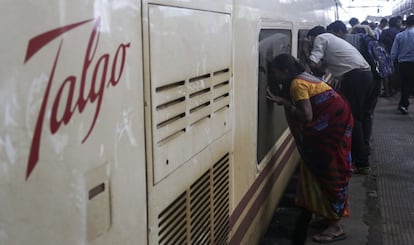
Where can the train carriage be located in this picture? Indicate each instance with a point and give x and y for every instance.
(144, 122)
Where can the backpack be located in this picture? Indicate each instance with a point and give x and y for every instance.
(377, 56)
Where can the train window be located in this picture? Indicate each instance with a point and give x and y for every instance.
(304, 48)
(271, 118)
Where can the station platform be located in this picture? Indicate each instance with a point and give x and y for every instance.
(382, 202)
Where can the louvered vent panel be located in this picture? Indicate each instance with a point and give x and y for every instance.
(196, 110)
(200, 210)
(170, 111)
(191, 100)
(201, 214)
(221, 201)
(172, 222)
(221, 90)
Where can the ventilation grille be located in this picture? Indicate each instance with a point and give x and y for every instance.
(201, 214)
(188, 115)
(183, 104)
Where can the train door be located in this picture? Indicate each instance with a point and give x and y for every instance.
(188, 89)
(264, 148)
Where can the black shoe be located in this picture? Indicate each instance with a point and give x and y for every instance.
(403, 110)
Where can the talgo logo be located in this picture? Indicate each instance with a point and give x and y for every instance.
(103, 70)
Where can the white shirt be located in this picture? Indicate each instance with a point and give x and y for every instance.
(337, 55)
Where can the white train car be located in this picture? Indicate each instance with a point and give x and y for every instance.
(144, 122)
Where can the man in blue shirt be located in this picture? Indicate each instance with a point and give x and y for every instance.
(402, 51)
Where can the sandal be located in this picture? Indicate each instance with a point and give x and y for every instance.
(327, 238)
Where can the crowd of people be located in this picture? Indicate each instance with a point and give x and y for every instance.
(332, 125)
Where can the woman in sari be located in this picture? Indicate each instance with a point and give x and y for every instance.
(321, 122)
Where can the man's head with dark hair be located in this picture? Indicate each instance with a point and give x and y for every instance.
(410, 20)
(393, 22)
(383, 22)
(317, 30)
(337, 27)
(353, 21)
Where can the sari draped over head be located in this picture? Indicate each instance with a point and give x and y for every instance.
(325, 148)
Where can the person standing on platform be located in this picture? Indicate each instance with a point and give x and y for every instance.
(402, 51)
(387, 38)
(321, 122)
(382, 25)
(347, 64)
